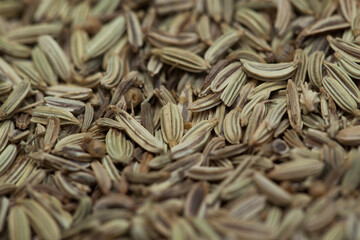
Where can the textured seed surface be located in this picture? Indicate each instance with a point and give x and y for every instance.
(179, 119)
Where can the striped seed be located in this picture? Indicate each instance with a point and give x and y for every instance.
(56, 57)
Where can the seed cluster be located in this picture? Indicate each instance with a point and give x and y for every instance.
(179, 119)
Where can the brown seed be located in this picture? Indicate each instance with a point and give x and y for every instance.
(317, 189)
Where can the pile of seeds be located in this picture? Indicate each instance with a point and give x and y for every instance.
(179, 119)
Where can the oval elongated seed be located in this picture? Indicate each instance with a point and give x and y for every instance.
(78, 40)
(203, 126)
(138, 133)
(40, 220)
(19, 226)
(301, 71)
(105, 7)
(27, 70)
(170, 6)
(351, 178)
(248, 108)
(5, 128)
(40, 114)
(233, 88)
(290, 223)
(349, 136)
(296, 170)
(327, 24)
(14, 49)
(267, 86)
(195, 140)
(203, 28)
(340, 95)
(43, 66)
(222, 44)
(14, 100)
(315, 66)
(257, 116)
(114, 72)
(205, 103)
(225, 76)
(154, 65)
(340, 75)
(105, 38)
(74, 106)
(351, 50)
(293, 106)
(118, 147)
(160, 38)
(273, 192)
(8, 71)
(209, 173)
(30, 33)
(182, 59)
(134, 32)
(102, 177)
(269, 72)
(232, 126)
(283, 17)
(172, 124)
(254, 21)
(348, 9)
(56, 57)
(7, 157)
(351, 67)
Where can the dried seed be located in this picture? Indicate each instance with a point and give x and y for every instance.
(56, 57)
(79, 39)
(133, 30)
(332, 23)
(30, 33)
(297, 169)
(103, 179)
(232, 126)
(273, 192)
(269, 72)
(194, 140)
(254, 21)
(349, 136)
(43, 66)
(105, 38)
(138, 133)
(172, 126)
(283, 17)
(19, 227)
(315, 66)
(118, 147)
(221, 44)
(40, 115)
(114, 72)
(13, 48)
(293, 106)
(40, 220)
(181, 59)
(340, 95)
(340, 75)
(14, 100)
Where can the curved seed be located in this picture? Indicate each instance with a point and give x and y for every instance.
(182, 59)
(56, 57)
(269, 72)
